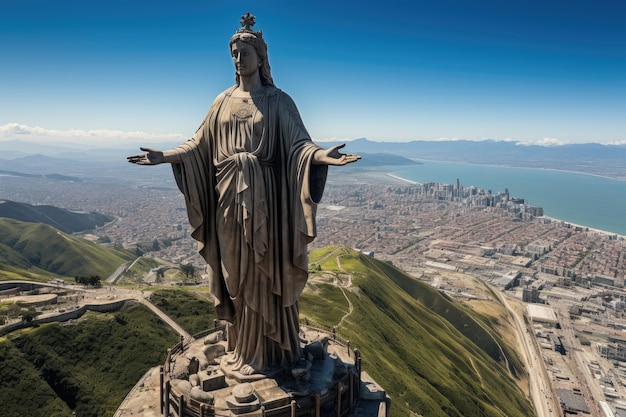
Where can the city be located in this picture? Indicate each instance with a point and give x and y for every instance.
(563, 282)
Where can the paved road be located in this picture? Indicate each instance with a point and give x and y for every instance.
(166, 318)
(142, 297)
(590, 390)
(540, 386)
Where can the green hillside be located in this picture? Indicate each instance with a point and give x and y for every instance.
(434, 356)
(37, 250)
(65, 220)
(192, 310)
(85, 369)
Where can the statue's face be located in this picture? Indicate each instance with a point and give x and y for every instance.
(245, 58)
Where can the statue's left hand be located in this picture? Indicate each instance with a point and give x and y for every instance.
(332, 156)
(152, 157)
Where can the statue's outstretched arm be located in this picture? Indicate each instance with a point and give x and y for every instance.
(154, 157)
(332, 156)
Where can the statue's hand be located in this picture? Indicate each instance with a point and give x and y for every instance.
(332, 156)
(152, 157)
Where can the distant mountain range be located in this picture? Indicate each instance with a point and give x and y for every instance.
(57, 177)
(64, 220)
(593, 158)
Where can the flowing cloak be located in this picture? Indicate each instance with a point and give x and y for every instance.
(251, 193)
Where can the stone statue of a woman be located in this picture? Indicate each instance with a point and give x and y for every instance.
(252, 178)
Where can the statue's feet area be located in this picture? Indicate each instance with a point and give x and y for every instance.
(247, 370)
(205, 372)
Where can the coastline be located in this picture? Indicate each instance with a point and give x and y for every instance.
(569, 171)
(403, 179)
(550, 218)
(589, 228)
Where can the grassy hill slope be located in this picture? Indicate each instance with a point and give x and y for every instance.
(36, 247)
(434, 356)
(85, 369)
(192, 310)
(64, 220)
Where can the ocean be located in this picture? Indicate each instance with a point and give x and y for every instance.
(582, 199)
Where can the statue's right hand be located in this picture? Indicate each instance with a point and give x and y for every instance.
(152, 157)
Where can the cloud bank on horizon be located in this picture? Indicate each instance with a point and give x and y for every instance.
(99, 137)
(15, 131)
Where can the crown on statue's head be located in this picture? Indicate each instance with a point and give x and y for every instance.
(247, 21)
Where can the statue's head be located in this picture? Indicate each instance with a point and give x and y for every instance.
(255, 39)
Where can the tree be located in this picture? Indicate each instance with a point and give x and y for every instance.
(104, 239)
(160, 274)
(189, 271)
(93, 280)
(14, 310)
(30, 314)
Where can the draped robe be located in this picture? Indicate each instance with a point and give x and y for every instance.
(251, 193)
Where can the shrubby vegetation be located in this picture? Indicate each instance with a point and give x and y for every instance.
(191, 310)
(86, 368)
(93, 280)
(189, 272)
(11, 310)
(138, 271)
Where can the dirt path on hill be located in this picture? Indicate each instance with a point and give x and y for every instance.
(343, 291)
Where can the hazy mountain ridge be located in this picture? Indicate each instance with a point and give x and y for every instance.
(57, 177)
(382, 159)
(61, 219)
(116, 168)
(594, 158)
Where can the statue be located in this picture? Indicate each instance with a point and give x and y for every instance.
(252, 178)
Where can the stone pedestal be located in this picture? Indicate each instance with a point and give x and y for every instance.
(327, 381)
(213, 381)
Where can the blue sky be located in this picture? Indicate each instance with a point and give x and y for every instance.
(534, 71)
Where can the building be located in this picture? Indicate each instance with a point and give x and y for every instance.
(542, 314)
(509, 280)
(531, 295)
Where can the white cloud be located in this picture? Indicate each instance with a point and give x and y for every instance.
(550, 142)
(333, 140)
(547, 142)
(12, 131)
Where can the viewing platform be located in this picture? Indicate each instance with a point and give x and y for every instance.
(196, 380)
